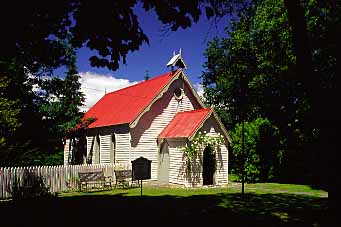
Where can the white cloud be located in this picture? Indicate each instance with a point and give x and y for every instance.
(200, 89)
(94, 86)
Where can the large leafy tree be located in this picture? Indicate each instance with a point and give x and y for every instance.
(110, 27)
(37, 39)
(260, 56)
(62, 102)
(35, 31)
(60, 108)
(38, 121)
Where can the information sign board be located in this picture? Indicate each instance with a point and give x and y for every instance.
(141, 169)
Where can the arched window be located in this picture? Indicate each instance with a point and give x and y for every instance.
(113, 148)
(97, 150)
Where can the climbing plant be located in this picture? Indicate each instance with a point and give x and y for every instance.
(199, 142)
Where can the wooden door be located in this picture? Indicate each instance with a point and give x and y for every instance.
(163, 173)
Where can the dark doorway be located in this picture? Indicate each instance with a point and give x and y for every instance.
(208, 166)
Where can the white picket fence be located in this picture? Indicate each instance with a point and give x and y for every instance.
(56, 178)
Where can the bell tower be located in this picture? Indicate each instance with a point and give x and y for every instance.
(177, 61)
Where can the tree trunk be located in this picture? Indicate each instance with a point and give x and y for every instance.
(323, 101)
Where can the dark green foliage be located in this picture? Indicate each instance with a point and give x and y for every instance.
(46, 109)
(34, 29)
(77, 145)
(263, 151)
(62, 100)
(55, 159)
(252, 59)
(8, 114)
(41, 36)
(258, 70)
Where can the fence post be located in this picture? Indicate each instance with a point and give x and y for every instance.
(55, 177)
(1, 182)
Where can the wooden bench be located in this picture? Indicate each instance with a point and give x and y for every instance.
(124, 178)
(93, 178)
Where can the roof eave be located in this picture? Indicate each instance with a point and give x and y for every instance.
(197, 97)
(222, 127)
(134, 122)
(225, 132)
(200, 125)
(103, 126)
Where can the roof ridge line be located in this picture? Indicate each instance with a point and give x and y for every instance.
(157, 77)
(173, 74)
(201, 123)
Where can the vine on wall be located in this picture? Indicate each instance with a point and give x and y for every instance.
(199, 142)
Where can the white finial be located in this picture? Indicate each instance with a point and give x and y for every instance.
(177, 60)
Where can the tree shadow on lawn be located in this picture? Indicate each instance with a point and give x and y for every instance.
(228, 209)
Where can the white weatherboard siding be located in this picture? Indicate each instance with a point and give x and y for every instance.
(144, 135)
(212, 129)
(96, 150)
(90, 143)
(221, 176)
(177, 165)
(141, 140)
(67, 151)
(105, 148)
(122, 148)
(93, 149)
(189, 102)
(193, 177)
(178, 172)
(122, 140)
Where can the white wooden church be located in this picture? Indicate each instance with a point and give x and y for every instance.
(156, 119)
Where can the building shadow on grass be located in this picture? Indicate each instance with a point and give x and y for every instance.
(198, 210)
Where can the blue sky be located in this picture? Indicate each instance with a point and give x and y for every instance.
(152, 57)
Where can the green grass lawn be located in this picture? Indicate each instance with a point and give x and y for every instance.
(259, 188)
(263, 205)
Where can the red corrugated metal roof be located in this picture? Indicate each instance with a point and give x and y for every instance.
(184, 124)
(123, 106)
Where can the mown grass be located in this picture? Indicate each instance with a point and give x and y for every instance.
(266, 188)
(262, 205)
(259, 188)
(153, 191)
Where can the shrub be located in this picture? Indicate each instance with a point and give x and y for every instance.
(32, 187)
(263, 151)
